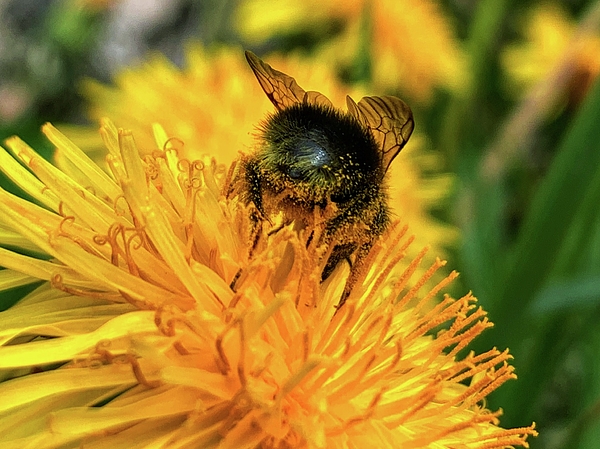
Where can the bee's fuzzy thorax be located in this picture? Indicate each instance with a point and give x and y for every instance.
(318, 147)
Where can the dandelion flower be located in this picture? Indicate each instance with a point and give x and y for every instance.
(551, 40)
(135, 339)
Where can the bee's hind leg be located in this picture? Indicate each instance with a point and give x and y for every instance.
(356, 270)
(339, 253)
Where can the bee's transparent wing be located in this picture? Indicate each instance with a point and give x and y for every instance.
(314, 97)
(282, 89)
(389, 118)
(355, 112)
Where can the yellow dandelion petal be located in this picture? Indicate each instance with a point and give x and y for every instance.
(69, 347)
(28, 182)
(15, 240)
(11, 279)
(93, 174)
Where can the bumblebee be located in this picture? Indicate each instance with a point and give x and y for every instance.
(311, 155)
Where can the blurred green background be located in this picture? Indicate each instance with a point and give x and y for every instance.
(504, 91)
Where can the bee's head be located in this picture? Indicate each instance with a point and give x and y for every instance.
(320, 150)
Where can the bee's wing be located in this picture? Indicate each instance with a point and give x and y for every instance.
(314, 97)
(282, 89)
(354, 111)
(390, 120)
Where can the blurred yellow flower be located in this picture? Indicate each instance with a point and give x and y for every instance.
(550, 38)
(215, 105)
(413, 45)
(135, 338)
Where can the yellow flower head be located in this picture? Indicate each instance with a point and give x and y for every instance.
(136, 339)
(551, 38)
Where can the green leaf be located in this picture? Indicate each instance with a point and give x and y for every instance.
(557, 202)
(575, 293)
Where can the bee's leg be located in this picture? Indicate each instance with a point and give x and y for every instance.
(253, 185)
(229, 186)
(339, 253)
(234, 280)
(355, 272)
(309, 241)
(252, 193)
(377, 225)
(276, 229)
(255, 233)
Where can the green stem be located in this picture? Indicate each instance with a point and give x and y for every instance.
(483, 36)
